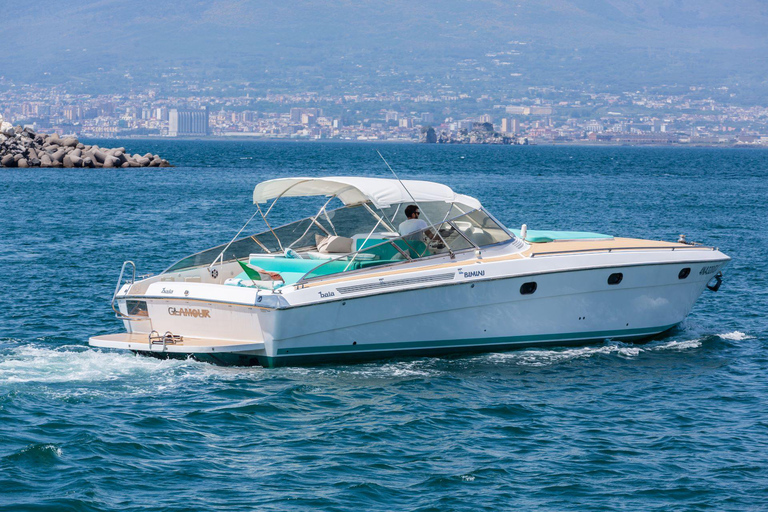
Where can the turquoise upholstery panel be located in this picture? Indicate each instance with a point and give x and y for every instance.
(414, 248)
(361, 243)
(539, 236)
(291, 270)
(287, 266)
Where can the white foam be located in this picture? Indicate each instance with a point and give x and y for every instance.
(408, 369)
(539, 357)
(31, 363)
(52, 448)
(677, 345)
(397, 369)
(735, 336)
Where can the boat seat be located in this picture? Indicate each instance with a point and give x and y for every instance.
(315, 255)
(414, 248)
(291, 270)
(545, 236)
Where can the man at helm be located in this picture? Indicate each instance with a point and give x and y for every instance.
(413, 223)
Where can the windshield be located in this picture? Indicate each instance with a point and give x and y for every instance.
(471, 230)
(359, 222)
(298, 235)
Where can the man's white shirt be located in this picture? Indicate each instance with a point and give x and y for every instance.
(410, 225)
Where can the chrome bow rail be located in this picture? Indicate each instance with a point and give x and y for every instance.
(617, 249)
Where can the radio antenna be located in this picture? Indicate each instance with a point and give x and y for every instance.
(437, 231)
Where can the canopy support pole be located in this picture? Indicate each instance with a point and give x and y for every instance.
(328, 218)
(314, 221)
(363, 246)
(378, 217)
(221, 255)
(437, 231)
(258, 208)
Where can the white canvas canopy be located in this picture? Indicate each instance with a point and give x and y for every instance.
(352, 190)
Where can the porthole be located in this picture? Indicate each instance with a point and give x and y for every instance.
(528, 288)
(615, 278)
(684, 273)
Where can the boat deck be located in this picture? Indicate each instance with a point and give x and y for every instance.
(615, 244)
(536, 249)
(140, 342)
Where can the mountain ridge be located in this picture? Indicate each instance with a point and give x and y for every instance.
(683, 42)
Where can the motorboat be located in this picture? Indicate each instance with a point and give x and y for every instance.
(349, 283)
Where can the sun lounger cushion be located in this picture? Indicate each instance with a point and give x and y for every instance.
(543, 236)
(333, 244)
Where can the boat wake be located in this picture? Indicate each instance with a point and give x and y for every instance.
(735, 336)
(544, 357)
(31, 363)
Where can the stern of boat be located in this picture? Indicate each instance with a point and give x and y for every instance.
(179, 317)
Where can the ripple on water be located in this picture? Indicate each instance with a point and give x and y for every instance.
(678, 422)
(37, 455)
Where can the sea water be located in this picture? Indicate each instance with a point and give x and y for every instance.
(680, 423)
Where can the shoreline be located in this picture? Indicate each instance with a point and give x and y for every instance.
(409, 142)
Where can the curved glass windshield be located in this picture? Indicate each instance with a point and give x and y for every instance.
(360, 227)
(299, 236)
(471, 230)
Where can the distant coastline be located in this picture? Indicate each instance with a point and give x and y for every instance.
(304, 140)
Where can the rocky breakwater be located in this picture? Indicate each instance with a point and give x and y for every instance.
(22, 147)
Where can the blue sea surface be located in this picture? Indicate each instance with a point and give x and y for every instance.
(680, 423)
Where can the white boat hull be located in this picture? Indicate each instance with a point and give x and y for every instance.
(357, 282)
(481, 313)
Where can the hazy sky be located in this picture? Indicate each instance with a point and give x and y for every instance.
(597, 42)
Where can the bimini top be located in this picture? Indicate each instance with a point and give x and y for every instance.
(352, 190)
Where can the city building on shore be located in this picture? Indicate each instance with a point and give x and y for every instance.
(510, 126)
(576, 117)
(187, 123)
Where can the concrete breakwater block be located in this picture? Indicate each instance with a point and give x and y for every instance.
(22, 147)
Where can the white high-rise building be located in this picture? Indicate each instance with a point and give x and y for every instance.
(187, 123)
(510, 126)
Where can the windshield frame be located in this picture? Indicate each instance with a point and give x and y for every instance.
(351, 256)
(313, 219)
(379, 216)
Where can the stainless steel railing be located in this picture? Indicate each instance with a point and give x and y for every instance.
(118, 313)
(627, 248)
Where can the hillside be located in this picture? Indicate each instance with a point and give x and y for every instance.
(346, 45)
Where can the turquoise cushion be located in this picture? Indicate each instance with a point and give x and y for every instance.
(291, 270)
(540, 236)
(414, 248)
